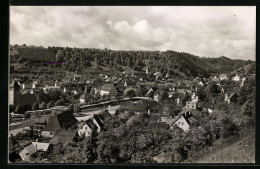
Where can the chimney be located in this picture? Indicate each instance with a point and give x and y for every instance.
(148, 111)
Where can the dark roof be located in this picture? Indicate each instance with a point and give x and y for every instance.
(14, 84)
(63, 136)
(233, 94)
(104, 113)
(98, 119)
(157, 126)
(53, 123)
(91, 124)
(64, 120)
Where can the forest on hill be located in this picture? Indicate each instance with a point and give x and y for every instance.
(172, 62)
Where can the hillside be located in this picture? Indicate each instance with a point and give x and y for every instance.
(175, 63)
(241, 151)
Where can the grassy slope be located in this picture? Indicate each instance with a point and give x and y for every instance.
(241, 151)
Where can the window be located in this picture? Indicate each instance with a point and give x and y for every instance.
(51, 133)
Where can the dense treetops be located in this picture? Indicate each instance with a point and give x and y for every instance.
(175, 63)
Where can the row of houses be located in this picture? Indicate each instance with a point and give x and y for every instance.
(58, 128)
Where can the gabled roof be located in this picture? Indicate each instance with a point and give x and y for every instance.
(27, 152)
(14, 84)
(98, 120)
(104, 113)
(41, 146)
(64, 120)
(91, 124)
(63, 136)
(233, 94)
(53, 123)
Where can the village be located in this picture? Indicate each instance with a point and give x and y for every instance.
(174, 103)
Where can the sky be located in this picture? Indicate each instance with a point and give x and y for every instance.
(202, 31)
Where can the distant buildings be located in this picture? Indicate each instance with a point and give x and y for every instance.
(233, 98)
(108, 90)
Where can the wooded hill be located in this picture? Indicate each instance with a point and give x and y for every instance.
(175, 63)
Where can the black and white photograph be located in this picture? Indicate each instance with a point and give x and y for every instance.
(132, 84)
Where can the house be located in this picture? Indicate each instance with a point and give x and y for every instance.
(55, 121)
(41, 146)
(27, 152)
(194, 98)
(109, 90)
(182, 99)
(191, 105)
(99, 118)
(185, 119)
(233, 98)
(236, 78)
(216, 80)
(16, 98)
(64, 137)
(223, 77)
(201, 83)
(86, 128)
(243, 82)
(83, 98)
(37, 124)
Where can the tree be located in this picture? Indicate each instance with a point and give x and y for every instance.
(130, 93)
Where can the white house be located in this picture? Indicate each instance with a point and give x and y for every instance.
(201, 83)
(236, 78)
(243, 82)
(223, 77)
(86, 128)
